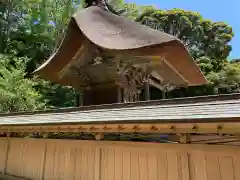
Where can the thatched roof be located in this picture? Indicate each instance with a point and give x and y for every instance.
(94, 28)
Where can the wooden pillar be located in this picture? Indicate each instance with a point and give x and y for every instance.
(45, 135)
(79, 99)
(184, 138)
(119, 94)
(147, 90)
(99, 136)
(125, 95)
(164, 94)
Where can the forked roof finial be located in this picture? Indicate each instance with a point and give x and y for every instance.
(104, 5)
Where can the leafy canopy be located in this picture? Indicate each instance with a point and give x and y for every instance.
(17, 93)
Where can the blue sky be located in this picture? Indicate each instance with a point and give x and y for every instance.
(227, 11)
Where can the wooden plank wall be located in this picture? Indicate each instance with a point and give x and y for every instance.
(3, 154)
(45, 159)
(25, 158)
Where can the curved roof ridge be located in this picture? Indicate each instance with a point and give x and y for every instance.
(119, 36)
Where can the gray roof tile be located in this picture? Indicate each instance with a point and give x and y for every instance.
(174, 112)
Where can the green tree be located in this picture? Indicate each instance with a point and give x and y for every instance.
(202, 37)
(36, 32)
(38, 29)
(17, 93)
(228, 79)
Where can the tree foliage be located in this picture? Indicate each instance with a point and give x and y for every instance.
(17, 93)
(31, 30)
(228, 79)
(202, 37)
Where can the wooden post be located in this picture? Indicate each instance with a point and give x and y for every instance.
(81, 96)
(45, 135)
(184, 138)
(147, 90)
(119, 94)
(163, 94)
(99, 136)
(125, 95)
(79, 99)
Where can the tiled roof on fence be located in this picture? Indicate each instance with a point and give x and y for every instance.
(170, 110)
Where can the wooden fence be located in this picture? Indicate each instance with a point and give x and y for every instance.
(46, 159)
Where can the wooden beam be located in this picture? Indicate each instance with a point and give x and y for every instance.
(171, 128)
(156, 85)
(179, 74)
(220, 139)
(210, 138)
